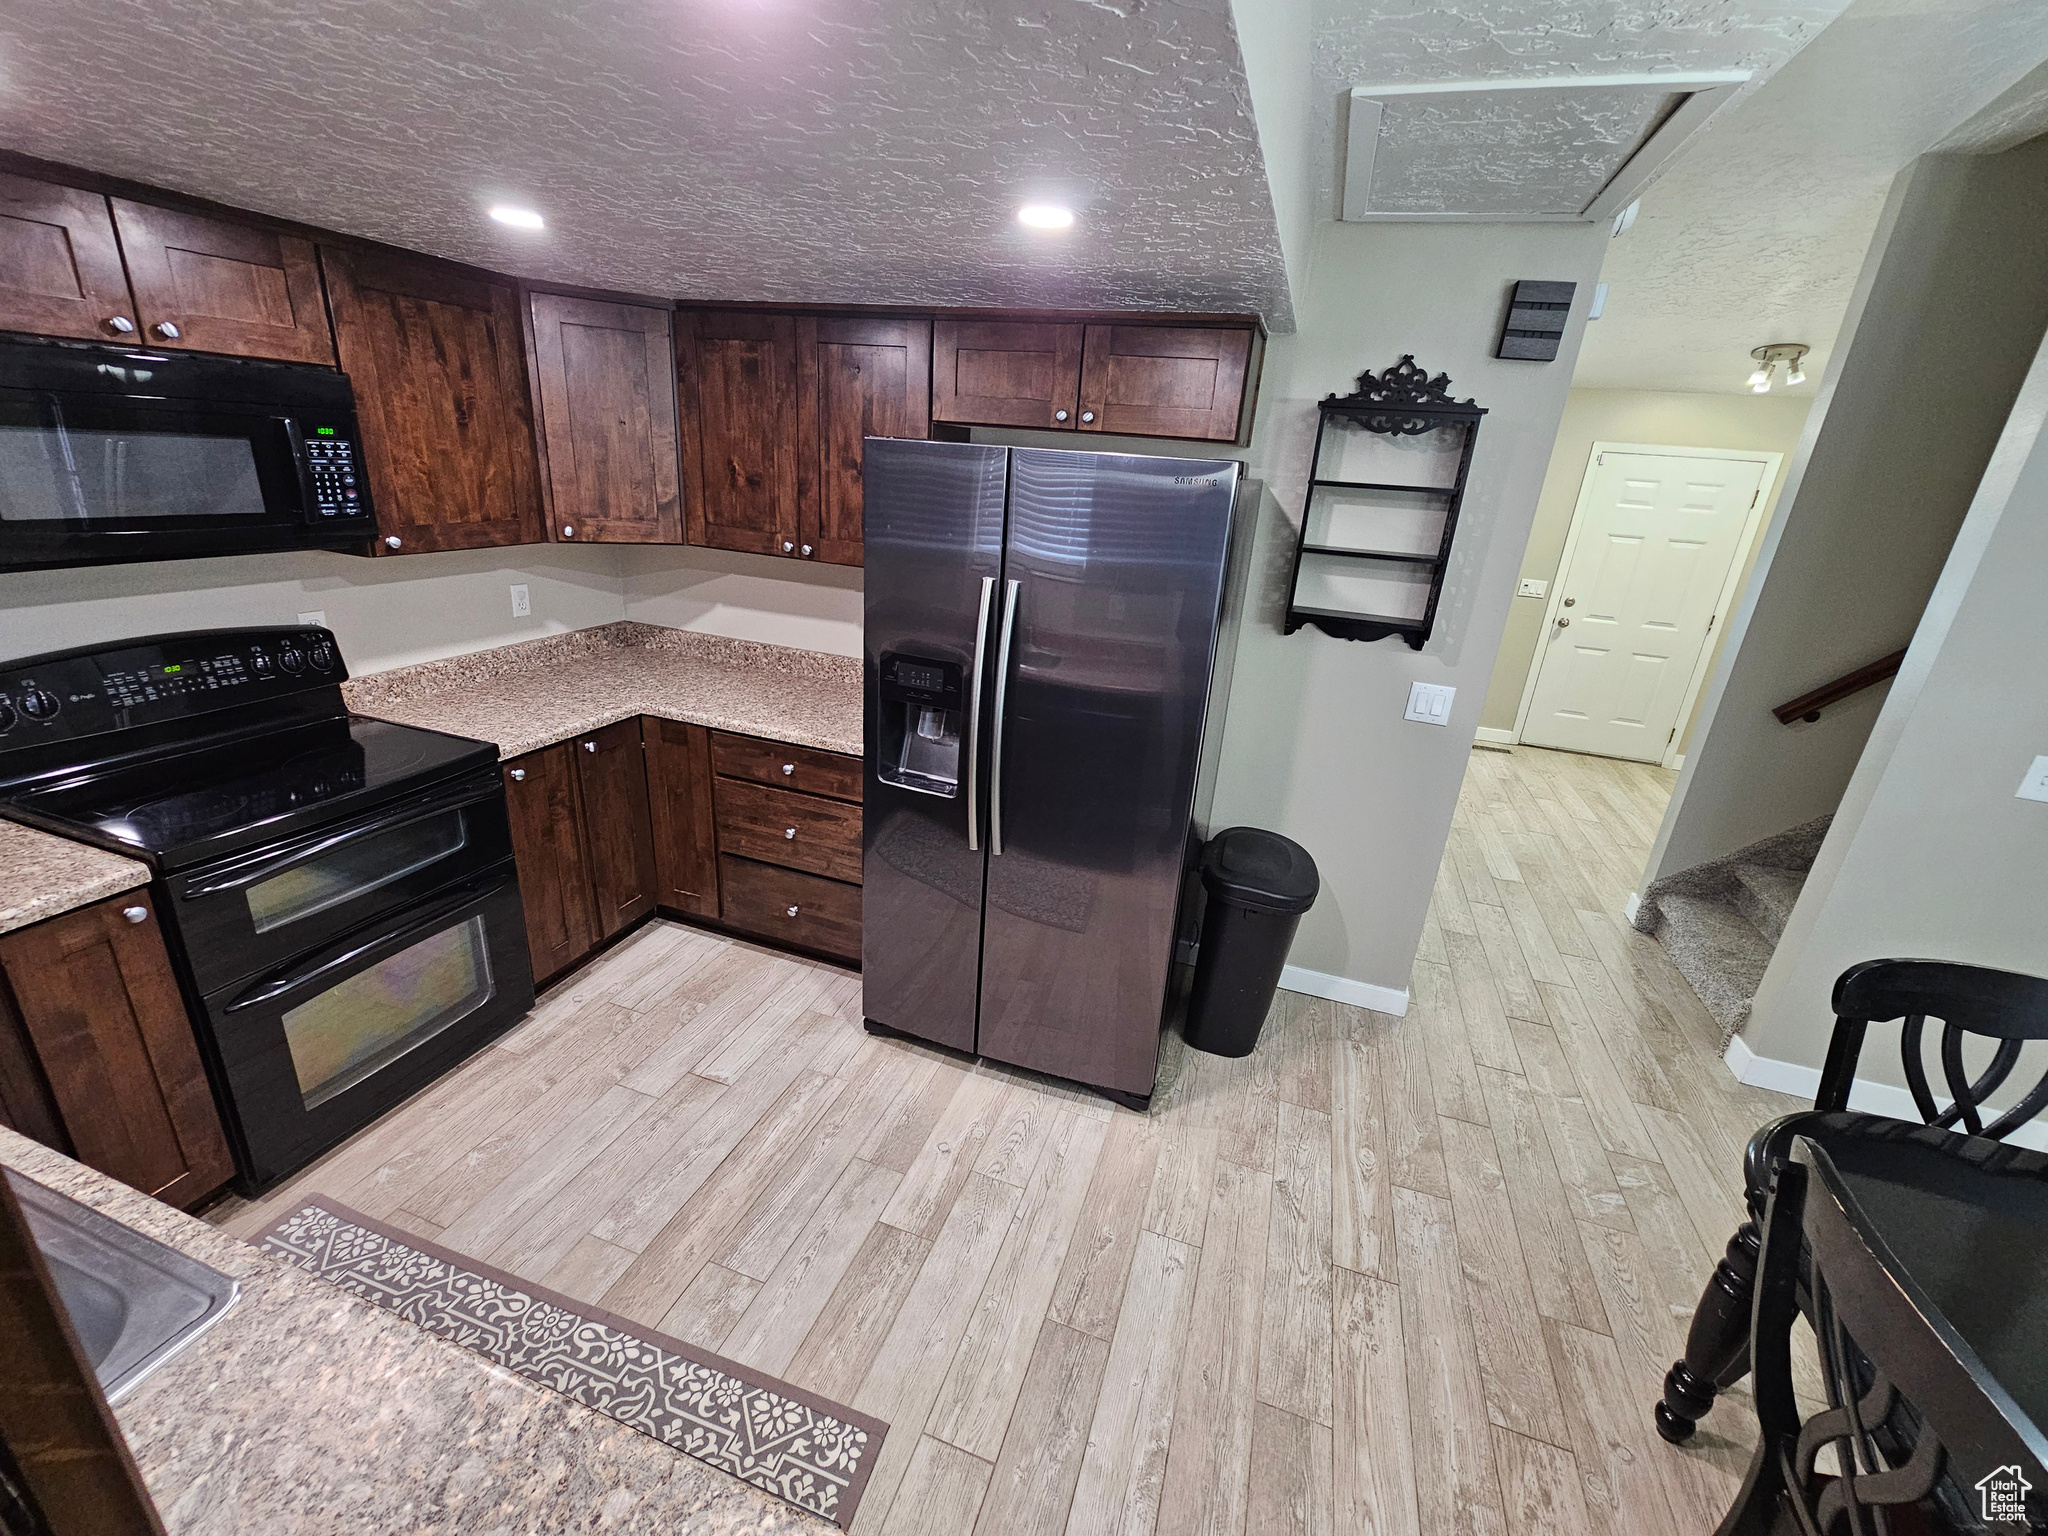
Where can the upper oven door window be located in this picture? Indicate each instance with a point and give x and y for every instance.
(90, 463)
(355, 869)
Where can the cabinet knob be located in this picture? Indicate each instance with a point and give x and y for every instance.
(788, 768)
(120, 325)
(590, 746)
(568, 531)
(1059, 415)
(787, 546)
(518, 774)
(1086, 417)
(392, 541)
(141, 914)
(167, 330)
(792, 911)
(807, 549)
(789, 832)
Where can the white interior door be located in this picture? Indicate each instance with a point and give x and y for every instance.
(1651, 549)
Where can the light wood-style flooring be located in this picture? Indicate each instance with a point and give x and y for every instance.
(1417, 1275)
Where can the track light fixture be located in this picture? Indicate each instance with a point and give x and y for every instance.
(1791, 353)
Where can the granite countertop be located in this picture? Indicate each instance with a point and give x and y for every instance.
(538, 692)
(306, 1409)
(42, 875)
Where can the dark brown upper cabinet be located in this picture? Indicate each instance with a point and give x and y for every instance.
(207, 285)
(608, 420)
(1003, 373)
(60, 266)
(856, 378)
(612, 778)
(1164, 380)
(439, 367)
(737, 372)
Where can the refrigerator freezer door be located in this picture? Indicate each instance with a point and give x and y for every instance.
(1120, 564)
(933, 515)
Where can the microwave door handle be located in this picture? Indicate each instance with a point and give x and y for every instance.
(995, 773)
(420, 810)
(275, 986)
(988, 590)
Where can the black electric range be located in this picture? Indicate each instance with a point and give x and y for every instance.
(337, 892)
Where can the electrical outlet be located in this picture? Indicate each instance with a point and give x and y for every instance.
(1430, 703)
(1529, 586)
(522, 605)
(317, 619)
(2035, 785)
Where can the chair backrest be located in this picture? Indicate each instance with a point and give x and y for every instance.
(1969, 1000)
(1913, 1413)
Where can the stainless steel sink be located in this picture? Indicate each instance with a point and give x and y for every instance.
(133, 1301)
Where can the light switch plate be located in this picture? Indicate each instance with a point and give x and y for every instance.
(1430, 703)
(522, 605)
(2035, 785)
(316, 619)
(1529, 586)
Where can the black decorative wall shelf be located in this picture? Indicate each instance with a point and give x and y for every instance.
(1385, 486)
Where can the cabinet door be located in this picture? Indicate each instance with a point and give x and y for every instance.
(608, 420)
(679, 798)
(554, 871)
(738, 376)
(60, 268)
(611, 773)
(99, 1003)
(212, 286)
(1003, 373)
(439, 367)
(856, 378)
(1164, 380)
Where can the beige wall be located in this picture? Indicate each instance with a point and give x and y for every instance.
(748, 597)
(1767, 423)
(1314, 745)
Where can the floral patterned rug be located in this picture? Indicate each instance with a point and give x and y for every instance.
(781, 1439)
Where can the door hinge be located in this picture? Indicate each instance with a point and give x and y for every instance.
(1670, 735)
(1754, 494)
(1710, 622)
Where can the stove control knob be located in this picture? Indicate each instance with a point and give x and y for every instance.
(38, 704)
(323, 657)
(7, 714)
(260, 663)
(292, 660)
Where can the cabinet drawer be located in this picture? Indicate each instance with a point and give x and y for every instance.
(780, 826)
(787, 767)
(788, 907)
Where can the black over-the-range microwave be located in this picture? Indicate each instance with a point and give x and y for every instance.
(122, 453)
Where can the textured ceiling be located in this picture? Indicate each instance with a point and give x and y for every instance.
(827, 150)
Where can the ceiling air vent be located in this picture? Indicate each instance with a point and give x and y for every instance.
(1574, 149)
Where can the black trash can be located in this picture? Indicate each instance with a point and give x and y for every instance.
(1259, 883)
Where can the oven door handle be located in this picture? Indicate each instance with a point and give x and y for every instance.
(387, 820)
(274, 986)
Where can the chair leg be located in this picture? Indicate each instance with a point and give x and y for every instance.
(1717, 1344)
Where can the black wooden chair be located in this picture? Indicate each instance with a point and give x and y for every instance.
(1969, 1000)
(1930, 1432)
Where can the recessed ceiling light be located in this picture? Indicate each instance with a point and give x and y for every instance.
(518, 218)
(1045, 216)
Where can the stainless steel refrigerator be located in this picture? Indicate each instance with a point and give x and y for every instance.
(1044, 703)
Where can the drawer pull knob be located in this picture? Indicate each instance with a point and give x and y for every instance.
(1087, 416)
(120, 325)
(590, 746)
(166, 330)
(789, 832)
(789, 767)
(787, 546)
(807, 549)
(568, 531)
(792, 911)
(1059, 415)
(141, 914)
(518, 773)
(392, 541)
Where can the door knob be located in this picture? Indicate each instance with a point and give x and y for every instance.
(1059, 415)
(1570, 601)
(519, 773)
(165, 329)
(792, 911)
(789, 832)
(807, 549)
(568, 532)
(1561, 623)
(120, 325)
(392, 541)
(141, 914)
(789, 767)
(1086, 417)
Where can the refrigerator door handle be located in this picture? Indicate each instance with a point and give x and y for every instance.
(988, 591)
(995, 772)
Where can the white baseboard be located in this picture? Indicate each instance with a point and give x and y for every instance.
(1342, 989)
(1496, 735)
(1875, 1098)
(1630, 908)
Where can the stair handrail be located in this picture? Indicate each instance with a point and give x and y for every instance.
(1809, 705)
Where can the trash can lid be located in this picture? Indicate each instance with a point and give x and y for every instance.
(1256, 868)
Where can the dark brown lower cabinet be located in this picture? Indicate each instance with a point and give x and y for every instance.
(612, 778)
(554, 869)
(679, 798)
(787, 906)
(103, 1053)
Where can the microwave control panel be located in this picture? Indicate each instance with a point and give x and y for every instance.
(333, 474)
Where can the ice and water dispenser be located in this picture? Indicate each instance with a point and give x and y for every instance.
(923, 713)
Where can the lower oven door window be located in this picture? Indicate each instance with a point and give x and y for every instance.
(316, 1049)
(364, 1024)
